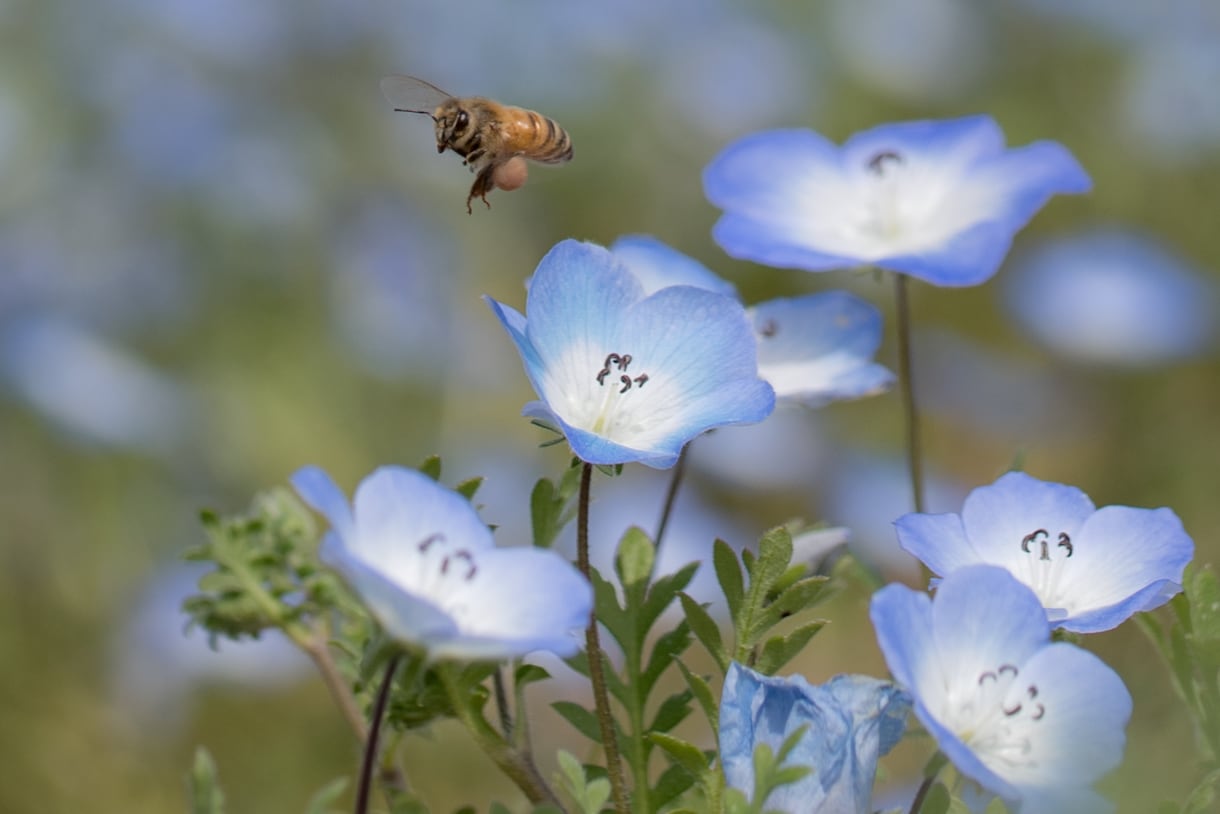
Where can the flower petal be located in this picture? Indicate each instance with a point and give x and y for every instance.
(656, 265)
(318, 490)
(939, 541)
(1125, 560)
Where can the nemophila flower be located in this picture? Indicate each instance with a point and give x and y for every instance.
(1034, 722)
(938, 200)
(849, 722)
(426, 567)
(1091, 568)
(812, 349)
(626, 376)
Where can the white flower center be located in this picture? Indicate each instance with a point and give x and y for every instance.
(441, 568)
(994, 715)
(612, 397)
(1041, 564)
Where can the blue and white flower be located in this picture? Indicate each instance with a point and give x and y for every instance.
(1091, 568)
(849, 722)
(626, 376)
(426, 567)
(937, 200)
(812, 349)
(1034, 722)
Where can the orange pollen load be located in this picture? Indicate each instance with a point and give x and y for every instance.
(511, 174)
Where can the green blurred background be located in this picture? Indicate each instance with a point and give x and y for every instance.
(222, 257)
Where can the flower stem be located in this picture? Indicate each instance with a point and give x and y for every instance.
(370, 743)
(506, 720)
(593, 651)
(920, 795)
(319, 653)
(671, 497)
(516, 764)
(907, 385)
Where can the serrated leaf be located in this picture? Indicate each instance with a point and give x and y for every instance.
(779, 650)
(774, 555)
(687, 755)
(728, 574)
(706, 630)
(546, 508)
(1203, 798)
(672, 711)
(701, 691)
(799, 596)
(662, 592)
(665, 651)
(203, 787)
(320, 802)
(583, 720)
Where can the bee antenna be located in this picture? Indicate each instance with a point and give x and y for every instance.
(427, 113)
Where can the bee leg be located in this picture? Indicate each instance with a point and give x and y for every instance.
(482, 185)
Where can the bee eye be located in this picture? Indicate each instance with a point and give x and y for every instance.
(462, 121)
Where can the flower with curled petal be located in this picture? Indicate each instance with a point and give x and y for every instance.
(425, 565)
(937, 200)
(1034, 722)
(1091, 568)
(627, 376)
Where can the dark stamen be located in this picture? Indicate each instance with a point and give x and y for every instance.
(1066, 542)
(427, 542)
(626, 380)
(879, 161)
(640, 379)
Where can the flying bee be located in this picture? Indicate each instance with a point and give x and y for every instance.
(493, 139)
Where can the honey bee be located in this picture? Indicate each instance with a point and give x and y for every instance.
(493, 139)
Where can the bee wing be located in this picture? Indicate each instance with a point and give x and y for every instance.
(411, 95)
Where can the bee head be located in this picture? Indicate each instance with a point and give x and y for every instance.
(452, 120)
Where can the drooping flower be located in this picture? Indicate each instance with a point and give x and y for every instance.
(630, 377)
(425, 565)
(937, 200)
(812, 349)
(1034, 722)
(849, 722)
(1090, 568)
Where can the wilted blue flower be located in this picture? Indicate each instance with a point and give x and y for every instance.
(426, 567)
(938, 200)
(1034, 722)
(629, 377)
(812, 349)
(849, 722)
(1091, 568)
(1114, 298)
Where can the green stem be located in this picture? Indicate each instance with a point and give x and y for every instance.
(501, 695)
(907, 386)
(517, 765)
(922, 794)
(637, 756)
(593, 652)
(364, 790)
(671, 497)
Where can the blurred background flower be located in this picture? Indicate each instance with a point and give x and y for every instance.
(222, 257)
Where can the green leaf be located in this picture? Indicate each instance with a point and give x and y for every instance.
(706, 630)
(665, 651)
(468, 487)
(1203, 591)
(584, 721)
(797, 597)
(701, 691)
(1203, 798)
(687, 755)
(728, 574)
(589, 795)
(937, 801)
(774, 554)
(202, 786)
(672, 711)
(528, 674)
(779, 650)
(320, 802)
(996, 806)
(431, 467)
(633, 564)
(670, 785)
(662, 592)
